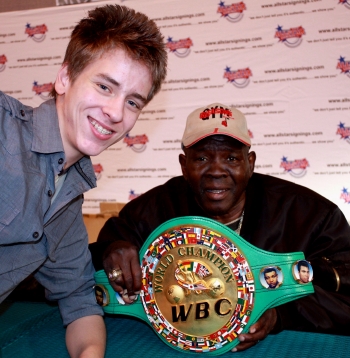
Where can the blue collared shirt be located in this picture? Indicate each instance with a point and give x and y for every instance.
(35, 234)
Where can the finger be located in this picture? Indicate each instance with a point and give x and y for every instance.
(252, 337)
(136, 274)
(115, 277)
(125, 256)
(132, 280)
(244, 345)
(128, 299)
(132, 274)
(123, 284)
(117, 287)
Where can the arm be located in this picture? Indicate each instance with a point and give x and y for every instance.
(328, 309)
(283, 217)
(86, 337)
(68, 276)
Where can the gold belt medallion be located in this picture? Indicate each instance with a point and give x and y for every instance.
(198, 289)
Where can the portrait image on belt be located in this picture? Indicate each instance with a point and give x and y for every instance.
(302, 271)
(101, 295)
(271, 277)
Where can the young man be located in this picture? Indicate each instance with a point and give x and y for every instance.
(219, 182)
(114, 64)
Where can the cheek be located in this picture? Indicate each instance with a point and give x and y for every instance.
(194, 178)
(129, 122)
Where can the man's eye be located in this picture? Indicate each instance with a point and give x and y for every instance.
(133, 104)
(231, 159)
(103, 87)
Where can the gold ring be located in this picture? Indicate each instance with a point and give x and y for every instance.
(114, 274)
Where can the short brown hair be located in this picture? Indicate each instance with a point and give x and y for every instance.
(114, 26)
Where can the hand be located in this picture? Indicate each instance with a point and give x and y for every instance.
(258, 331)
(122, 255)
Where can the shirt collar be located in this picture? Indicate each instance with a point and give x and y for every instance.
(46, 130)
(47, 138)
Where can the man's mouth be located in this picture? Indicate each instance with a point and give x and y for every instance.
(216, 191)
(99, 128)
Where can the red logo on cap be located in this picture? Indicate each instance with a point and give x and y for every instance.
(224, 113)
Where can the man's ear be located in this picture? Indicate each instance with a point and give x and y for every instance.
(182, 160)
(62, 80)
(251, 160)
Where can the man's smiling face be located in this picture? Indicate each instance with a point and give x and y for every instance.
(102, 104)
(218, 169)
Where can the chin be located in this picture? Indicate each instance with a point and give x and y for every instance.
(93, 152)
(215, 212)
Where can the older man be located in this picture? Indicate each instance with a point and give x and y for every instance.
(219, 182)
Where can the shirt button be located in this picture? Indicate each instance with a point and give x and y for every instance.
(22, 112)
(35, 235)
(60, 161)
(49, 193)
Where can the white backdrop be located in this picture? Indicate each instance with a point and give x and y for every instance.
(285, 64)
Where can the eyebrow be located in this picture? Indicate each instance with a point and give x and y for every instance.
(117, 84)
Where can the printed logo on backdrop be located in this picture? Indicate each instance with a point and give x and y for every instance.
(72, 2)
(296, 168)
(344, 132)
(345, 195)
(343, 66)
(37, 33)
(137, 143)
(346, 3)
(180, 48)
(233, 12)
(133, 195)
(42, 90)
(239, 78)
(98, 169)
(291, 37)
(3, 60)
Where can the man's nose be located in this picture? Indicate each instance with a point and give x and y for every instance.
(114, 109)
(217, 168)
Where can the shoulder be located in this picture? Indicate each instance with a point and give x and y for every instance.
(262, 184)
(5, 101)
(16, 125)
(14, 107)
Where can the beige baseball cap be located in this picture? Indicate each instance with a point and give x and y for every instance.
(215, 119)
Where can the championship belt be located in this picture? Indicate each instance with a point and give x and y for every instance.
(203, 285)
